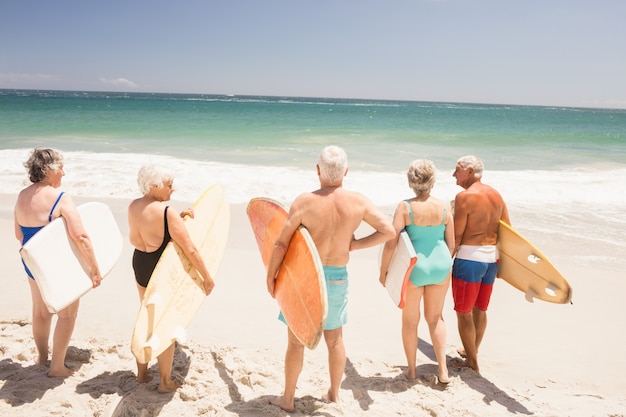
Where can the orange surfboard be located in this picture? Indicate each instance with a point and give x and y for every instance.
(300, 285)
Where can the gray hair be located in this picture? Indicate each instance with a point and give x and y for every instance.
(471, 161)
(333, 163)
(421, 176)
(150, 175)
(41, 162)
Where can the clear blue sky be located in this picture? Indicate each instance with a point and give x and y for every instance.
(544, 52)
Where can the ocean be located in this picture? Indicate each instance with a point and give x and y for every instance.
(562, 171)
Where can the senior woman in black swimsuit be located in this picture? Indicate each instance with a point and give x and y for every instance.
(36, 206)
(151, 227)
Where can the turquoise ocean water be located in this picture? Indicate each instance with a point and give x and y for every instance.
(561, 170)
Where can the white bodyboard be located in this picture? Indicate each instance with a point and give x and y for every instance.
(56, 263)
(402, 262)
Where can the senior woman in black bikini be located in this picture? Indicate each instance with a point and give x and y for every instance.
(36, 206)
(151, 227)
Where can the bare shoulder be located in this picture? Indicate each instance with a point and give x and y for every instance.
(146, 209)
(66, 205)
(402, 207)
(136, 206)
(303, 198)
(66, 200)
(356, 197)
(302, 202)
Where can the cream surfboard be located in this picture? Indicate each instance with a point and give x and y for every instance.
(175, 291)
(300, 285)
(402, 262)
(524, 266)
(56, 263)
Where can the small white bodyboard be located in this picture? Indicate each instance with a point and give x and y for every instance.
(56, 262)
(402, 262)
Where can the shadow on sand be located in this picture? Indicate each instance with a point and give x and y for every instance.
(27, 384)
(135, 399)
(473, 380)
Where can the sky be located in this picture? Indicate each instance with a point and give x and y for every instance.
(531, 52)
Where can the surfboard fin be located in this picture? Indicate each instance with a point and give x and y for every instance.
(530, 295)
(155, 299)
(180, 334)
(153, 343)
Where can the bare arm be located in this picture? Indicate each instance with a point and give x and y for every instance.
(180, 235)
(448, 234)
(384, 230)
(18, 230)
(294, 220)
(79, 235)
(460, 220)
(390, 245)
(505, 215)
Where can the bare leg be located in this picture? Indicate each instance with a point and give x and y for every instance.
(165, 360)
(410, 321)
(142, 368)
(143, 375)
(480, 324)
(434, 298)
(467, 332)
(42, 320)
(63, 330)
(336, 361)
(294, 358)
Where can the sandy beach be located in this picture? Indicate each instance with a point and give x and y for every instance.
(537, 359)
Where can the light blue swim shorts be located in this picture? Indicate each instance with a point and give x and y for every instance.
(337, 289)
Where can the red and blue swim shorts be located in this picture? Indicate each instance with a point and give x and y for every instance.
(472, 284)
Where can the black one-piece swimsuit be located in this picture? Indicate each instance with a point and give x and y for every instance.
(145, 262)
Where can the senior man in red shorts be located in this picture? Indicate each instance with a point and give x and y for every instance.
(478, 210)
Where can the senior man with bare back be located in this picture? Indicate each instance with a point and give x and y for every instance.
(478, 210)
(331, 214)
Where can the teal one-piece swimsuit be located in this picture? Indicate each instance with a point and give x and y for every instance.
(433, 256)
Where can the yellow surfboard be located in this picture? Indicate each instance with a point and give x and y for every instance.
(175, 291)
(526, 268)
(300, 285)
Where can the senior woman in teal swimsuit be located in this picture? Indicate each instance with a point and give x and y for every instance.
(36, 206)
(428, 222)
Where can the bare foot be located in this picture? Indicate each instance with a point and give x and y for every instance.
(330, 397)
(461, 353)
(42, 360)
(143, 378)
(168, 386)
(60, 373)
(280, 403)
(458, 363)
(409, 376)
(443, 377)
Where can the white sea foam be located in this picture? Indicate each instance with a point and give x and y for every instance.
(576, 204)
(113, 175)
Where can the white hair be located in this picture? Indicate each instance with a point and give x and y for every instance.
(471, 161)
(333, 163)
(150, 175)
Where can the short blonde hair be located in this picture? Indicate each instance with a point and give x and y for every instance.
(41, 162)
(421, 176)
(333, 163)
(150, 175)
